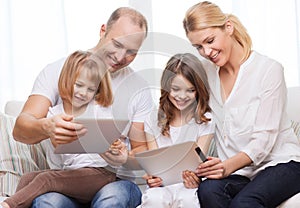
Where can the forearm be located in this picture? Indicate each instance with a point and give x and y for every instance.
(236, 162)
(30, 130)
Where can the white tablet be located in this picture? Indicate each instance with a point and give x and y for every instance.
(169, 162)
(100, 134)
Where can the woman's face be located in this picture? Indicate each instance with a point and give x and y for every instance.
(213, 43)
(182, 93)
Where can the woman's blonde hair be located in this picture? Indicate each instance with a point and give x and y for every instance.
(190, 67)
(206, 15)
(96, 69)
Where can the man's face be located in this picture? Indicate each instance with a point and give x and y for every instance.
(121, 43)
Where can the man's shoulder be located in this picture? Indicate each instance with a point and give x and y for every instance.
(129, 77)
(56, 65)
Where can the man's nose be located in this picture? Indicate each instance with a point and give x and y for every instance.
(121, 55)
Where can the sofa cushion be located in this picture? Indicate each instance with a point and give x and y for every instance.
(16, 158)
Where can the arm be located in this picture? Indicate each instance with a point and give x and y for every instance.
(151, 141)
(29, 126)
(32, 126)
(137, 137)
(214, 168)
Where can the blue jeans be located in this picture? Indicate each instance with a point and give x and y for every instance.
(121, 193)
(269, 188)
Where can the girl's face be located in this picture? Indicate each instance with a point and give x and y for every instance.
(213, 43)
(85, 89)
(182, 93)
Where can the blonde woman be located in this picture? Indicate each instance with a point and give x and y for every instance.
(259, 154)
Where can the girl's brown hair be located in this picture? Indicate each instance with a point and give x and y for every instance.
(190, 67)
(74, 65)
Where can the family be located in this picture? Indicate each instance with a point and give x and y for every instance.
(238, 100)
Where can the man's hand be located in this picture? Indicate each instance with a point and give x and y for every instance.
(117, 154)
(62, 130)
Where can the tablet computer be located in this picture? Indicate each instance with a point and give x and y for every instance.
(101, 133)
(169, 162)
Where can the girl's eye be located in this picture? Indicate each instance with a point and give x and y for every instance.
(198, 47)
(78, 85)
(174, 89)
(91, 90)
(191, 91)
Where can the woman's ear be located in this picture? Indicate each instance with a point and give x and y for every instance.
(229, 27)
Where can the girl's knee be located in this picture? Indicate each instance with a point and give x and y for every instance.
(156, 197)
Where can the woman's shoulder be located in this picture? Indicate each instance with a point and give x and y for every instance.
(263, 59)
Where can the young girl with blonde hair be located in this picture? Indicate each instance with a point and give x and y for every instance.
(83, 83)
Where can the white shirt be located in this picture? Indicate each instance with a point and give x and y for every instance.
(70, 161)
(253, 119)
(188, 132)
(132, 97)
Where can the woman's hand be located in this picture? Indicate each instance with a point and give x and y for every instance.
(190, 179)
(213, 168)
(153, 181)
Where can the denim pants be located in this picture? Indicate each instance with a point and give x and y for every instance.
(121, 194)
(268, 189)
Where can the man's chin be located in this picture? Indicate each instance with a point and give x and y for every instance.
(113, 69)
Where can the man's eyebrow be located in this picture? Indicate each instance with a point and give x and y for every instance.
(117, 42)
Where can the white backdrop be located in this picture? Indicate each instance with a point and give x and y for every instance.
(34, 33)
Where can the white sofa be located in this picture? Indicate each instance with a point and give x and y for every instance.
(17, 158)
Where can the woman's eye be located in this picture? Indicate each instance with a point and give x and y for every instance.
(210, 41)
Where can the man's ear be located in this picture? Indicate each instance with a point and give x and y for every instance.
(102, 30)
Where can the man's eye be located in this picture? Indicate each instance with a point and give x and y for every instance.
(117, 45)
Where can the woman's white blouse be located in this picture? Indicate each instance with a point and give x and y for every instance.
(253, 118)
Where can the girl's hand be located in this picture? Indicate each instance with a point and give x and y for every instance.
(153, 181)
(117, 147)
(213, 168)
(117, 154)
(190, 179)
